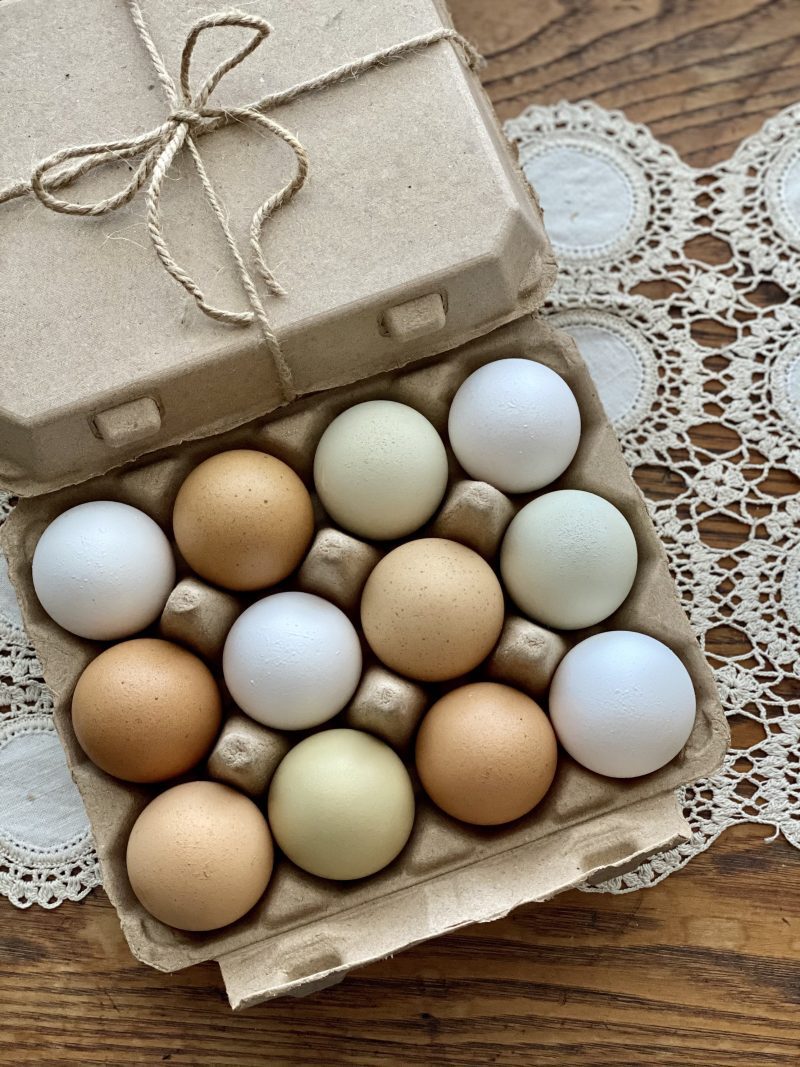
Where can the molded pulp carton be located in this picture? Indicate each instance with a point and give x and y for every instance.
(414, 254)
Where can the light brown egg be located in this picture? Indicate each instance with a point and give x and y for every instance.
(432, 609)
(199, 856)
(146, 710)
(243, 519)
(486, 754)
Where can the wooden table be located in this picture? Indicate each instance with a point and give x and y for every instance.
(705, 968)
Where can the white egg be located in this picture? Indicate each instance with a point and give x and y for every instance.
(292, 661)
(569, 559)
(103, 570)
(622, 704)
(514, 424)
(380, 469)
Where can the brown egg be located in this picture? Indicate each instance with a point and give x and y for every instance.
(486, 753)
(146, 710)
(432, 609)
(199, 856)
(243, 519)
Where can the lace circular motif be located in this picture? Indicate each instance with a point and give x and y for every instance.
(783, 192)
(620, 360)
(594, 200)
(785, 385)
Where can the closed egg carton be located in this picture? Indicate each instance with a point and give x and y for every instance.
(306, 931)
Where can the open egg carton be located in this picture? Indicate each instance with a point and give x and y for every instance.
(306, 931)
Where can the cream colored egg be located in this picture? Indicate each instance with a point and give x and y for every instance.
(341, 804)
(380, 469)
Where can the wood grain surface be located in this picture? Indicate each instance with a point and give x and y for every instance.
(705, 968)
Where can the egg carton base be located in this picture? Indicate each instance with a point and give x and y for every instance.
(550, 849)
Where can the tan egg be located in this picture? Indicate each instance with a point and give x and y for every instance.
(243, 519)
(432, 609)
(146, 710)
(486, 754)
(199, 856)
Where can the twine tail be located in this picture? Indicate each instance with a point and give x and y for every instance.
(258, 313)
(277, 200)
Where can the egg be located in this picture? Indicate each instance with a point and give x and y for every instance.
(341, 805)
(622, 704)
(292, 661)
(486, 754)
(103, 570)
(199, 856)
(514, 424)
(243, 520)
(569, 559)
(380, 469)
(146, 710)
(432, 609)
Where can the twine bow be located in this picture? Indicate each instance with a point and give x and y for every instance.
(191, 116)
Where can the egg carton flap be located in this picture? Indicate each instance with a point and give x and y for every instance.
(321, 953)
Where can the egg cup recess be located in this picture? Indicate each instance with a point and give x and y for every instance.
(439, 844)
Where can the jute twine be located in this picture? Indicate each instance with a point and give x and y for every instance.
(190, 117)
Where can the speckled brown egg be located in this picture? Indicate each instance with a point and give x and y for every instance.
(486, 753)
(199, 856)
(432, 609)
(243, 519)
(146, 710)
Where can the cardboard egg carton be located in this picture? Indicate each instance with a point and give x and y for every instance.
(307, 932)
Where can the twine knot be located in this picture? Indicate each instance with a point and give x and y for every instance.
(186, 115)
(191, 116)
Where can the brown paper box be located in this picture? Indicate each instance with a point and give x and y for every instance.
(414, 199)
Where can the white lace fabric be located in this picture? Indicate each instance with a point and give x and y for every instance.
(622, 211)
(46, 849)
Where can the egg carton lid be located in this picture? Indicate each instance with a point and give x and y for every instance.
(414, 234)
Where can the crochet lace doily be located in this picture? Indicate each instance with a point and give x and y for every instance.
(46, 850)
(625, 212)
(622, 211)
